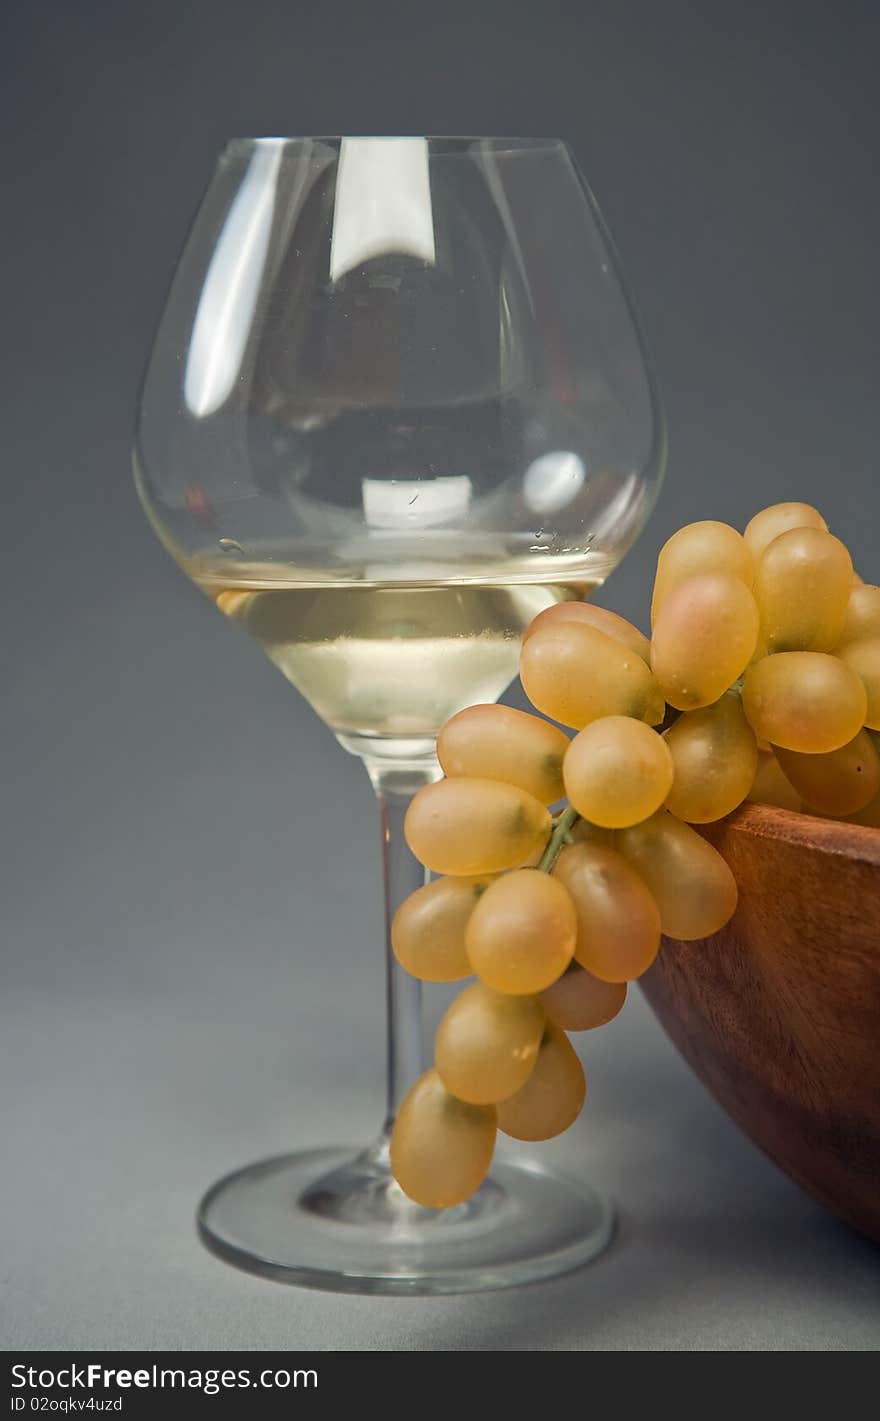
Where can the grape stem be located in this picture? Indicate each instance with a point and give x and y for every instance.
(559, 837)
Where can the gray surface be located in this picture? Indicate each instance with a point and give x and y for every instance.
(190, 911)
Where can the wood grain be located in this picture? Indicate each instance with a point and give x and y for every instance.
(779, 1013)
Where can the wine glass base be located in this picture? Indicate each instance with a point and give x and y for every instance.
(336, 1220)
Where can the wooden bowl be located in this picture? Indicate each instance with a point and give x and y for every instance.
(779, 1013)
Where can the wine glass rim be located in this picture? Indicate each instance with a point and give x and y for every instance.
(462, 141)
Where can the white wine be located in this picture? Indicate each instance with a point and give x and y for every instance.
(380, 660)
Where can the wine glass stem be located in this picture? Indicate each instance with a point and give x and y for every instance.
(402, 874)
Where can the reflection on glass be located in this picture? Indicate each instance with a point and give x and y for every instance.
(226, 306)
(553, 480)
(407, 504)
(382, 203)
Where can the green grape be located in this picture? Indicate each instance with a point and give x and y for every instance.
(862, 614)
(704, 637)
(841, 782)
(575, 673)
(441, 1148)
(487, 1044)
(777, 519)
(771, 786)
(802, 588)
(552, 1097)
(690, 881)
(696, 548)
(499, 743)
(804, 700)
(715, 756)
(617, 771)
(588, 614)
(863, 657)
(579, 1001)
(618, 922)
(427, 934)
(522, 933)
(474, 826)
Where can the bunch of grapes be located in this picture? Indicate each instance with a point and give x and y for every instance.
(762, 672)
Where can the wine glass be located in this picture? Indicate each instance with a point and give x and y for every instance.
(398, 403)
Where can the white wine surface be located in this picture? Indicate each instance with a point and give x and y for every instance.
(385, 660)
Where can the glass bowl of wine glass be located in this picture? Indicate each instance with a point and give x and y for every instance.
(398, 403)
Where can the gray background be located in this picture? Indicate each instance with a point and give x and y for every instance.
(190, 905)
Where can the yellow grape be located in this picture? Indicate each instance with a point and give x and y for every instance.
(500, 743)
(862, 613)
(804, 700)
(487, 1043)
(617, 771)
(441, 1147)
(715, 756)
(802, 588)
(552, 1097)
(771, 786)
(233, 602)
(583, 832)
(693, 886)
(579, 1001)
(777, 519)
(522, 933)
(618, 921)
(575, 673)
(704, 637)
(590, 615)
(841, 782)
(760, 650)
(696, 548)
(427, 934)
(869, 817)
(863, 657)
(534, 858)
(474, 826)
